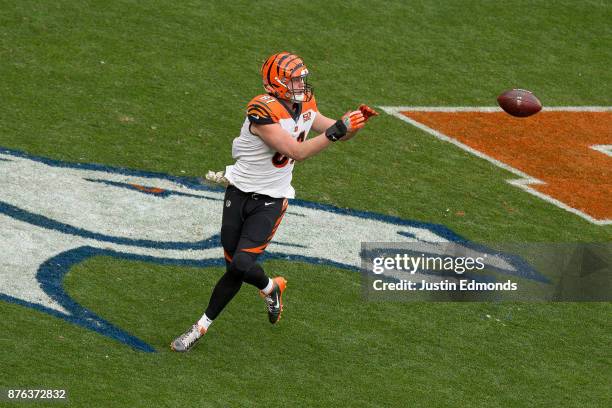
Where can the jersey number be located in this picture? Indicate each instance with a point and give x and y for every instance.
(279, 160)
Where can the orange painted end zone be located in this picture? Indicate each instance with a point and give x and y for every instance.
(554, 147)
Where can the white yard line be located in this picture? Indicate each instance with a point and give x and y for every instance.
(525, 179)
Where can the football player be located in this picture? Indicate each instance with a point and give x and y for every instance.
(272, 139)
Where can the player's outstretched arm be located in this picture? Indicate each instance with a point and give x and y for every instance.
(278, 139)
(321, 122)
(281, 141)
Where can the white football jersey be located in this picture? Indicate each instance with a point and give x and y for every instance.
(258, 168)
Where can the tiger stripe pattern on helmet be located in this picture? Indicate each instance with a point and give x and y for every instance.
(277, 72)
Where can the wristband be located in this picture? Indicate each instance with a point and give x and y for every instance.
(336, 131)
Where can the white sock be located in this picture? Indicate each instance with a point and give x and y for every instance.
(268, 288)
(204, 322)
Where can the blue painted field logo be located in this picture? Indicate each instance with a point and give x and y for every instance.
(54, 215)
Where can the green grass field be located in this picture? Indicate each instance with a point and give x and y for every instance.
(162, 87)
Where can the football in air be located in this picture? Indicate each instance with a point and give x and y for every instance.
(519, 103)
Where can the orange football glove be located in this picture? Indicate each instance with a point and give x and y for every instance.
(353, 121)
(367, 111)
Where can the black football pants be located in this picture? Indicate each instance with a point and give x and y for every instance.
(249, 223)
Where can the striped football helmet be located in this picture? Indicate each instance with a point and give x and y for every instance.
(285, 76)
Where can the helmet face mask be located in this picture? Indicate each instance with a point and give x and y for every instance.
(298, 88)
(286, 77)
